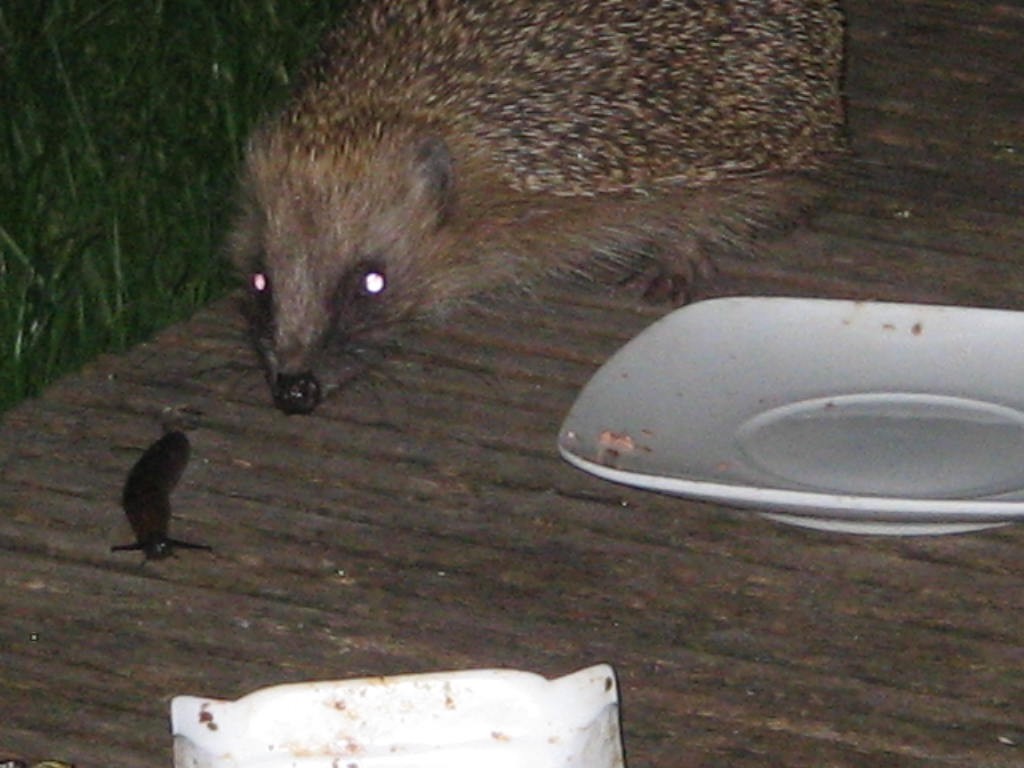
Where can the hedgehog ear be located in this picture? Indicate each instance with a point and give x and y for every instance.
(434, 175)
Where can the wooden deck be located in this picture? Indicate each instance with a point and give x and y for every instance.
(424, 520)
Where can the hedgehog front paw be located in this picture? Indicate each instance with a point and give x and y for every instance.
(677, 282)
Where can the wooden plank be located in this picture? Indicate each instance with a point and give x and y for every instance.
(422, 519)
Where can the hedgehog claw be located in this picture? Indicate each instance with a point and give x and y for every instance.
(677, 282)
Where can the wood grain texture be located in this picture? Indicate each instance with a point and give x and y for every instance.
(422, 519)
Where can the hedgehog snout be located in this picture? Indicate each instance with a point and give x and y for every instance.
(296, 392)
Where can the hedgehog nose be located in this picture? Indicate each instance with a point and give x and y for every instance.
(296, 392)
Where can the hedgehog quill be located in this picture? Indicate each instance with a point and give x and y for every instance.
(436, 150)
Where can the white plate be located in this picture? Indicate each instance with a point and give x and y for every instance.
(861, 417)
(493, 717)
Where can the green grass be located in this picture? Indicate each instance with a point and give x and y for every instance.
(121, 127)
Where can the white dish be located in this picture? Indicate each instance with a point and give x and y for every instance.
(861, 417)
(497, 718)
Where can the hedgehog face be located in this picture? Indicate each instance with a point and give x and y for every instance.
(334, 254)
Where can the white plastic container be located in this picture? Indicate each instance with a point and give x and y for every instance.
(467, 719)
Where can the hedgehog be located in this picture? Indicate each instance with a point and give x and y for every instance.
(436, 151)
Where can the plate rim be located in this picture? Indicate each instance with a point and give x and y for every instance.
(807, 504)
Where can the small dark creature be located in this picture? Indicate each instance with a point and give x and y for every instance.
(147, 496)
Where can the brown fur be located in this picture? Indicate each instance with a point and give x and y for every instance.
(458, 146)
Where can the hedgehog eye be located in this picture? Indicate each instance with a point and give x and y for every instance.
(262, 300)
(363, 285)
(372, 281)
